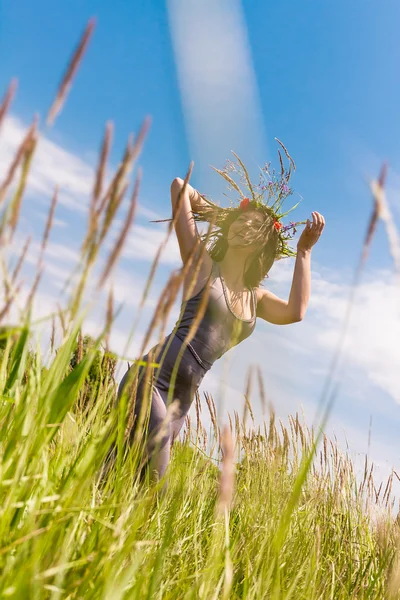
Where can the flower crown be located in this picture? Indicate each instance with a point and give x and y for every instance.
(275, 188)
(268, 195)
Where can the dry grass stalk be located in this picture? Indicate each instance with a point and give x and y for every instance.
(378, 493)
(112, 259)
(157, 313)
(205, 439)
(230, 422)
(52, 335)
(227, 477)
(272, 428)
(18, 266)
(9, 301)
(325, 449)
(101, 169)
(111, 202)
(229, 179)
(115, 202)
(247, 405)
(385, 214)
(49, 223)
(137, 148)
(292, 427)
(109, 316)
(132, 152)
(262, 390)
(281, 163)
(376, 213)
(249, 184)
(237, 425)
(60, 314)
(79, 354)
(172, 292)
(16, 202)
(286, 441)
(72, 67)
(198, 407)
(388, 490)
(98, 187)
(45, 239)
(188, 429)
(302, 437)
(8, 97)
(293, 164)
(115, 183)
(112, 197)
(19, 155)
(211, 410)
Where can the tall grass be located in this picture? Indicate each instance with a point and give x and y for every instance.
(287, 519)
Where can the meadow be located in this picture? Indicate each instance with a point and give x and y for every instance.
(250, 511)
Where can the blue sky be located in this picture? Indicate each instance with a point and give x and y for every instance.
(322, 77)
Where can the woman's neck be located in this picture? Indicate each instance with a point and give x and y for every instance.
(232, 267)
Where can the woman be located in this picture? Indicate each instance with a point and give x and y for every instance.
(244, 245)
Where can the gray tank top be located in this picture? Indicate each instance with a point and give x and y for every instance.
(220, 328)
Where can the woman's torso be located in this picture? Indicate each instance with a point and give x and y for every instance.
(217, 330)
(220, 327)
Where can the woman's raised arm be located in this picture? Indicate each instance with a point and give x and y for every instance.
(282, 312)
(185, 226)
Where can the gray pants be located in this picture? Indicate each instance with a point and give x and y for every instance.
(189, 376)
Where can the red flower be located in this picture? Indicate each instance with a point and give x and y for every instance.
(244, 203)
(277, 225)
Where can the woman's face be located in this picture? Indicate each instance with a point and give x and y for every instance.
(242, 231)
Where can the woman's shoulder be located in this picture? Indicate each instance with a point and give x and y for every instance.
(260, 293)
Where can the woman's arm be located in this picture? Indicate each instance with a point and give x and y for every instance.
(281, 312)
(185, 226)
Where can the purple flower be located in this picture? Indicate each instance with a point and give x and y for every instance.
(290, 226)
(285, 188)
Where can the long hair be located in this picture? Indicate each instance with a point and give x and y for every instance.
(267, 238)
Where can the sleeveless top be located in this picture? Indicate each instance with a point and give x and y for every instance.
(220, 328)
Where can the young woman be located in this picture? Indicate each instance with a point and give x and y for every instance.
(247, 241)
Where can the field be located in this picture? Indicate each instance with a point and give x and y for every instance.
(247, 512)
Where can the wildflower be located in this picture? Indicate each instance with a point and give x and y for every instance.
(277, 225)
(285, 188)
(244, 203)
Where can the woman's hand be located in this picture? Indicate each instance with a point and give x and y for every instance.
(311, 233)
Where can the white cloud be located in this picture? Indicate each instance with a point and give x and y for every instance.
(53, 165)
(143, 242)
